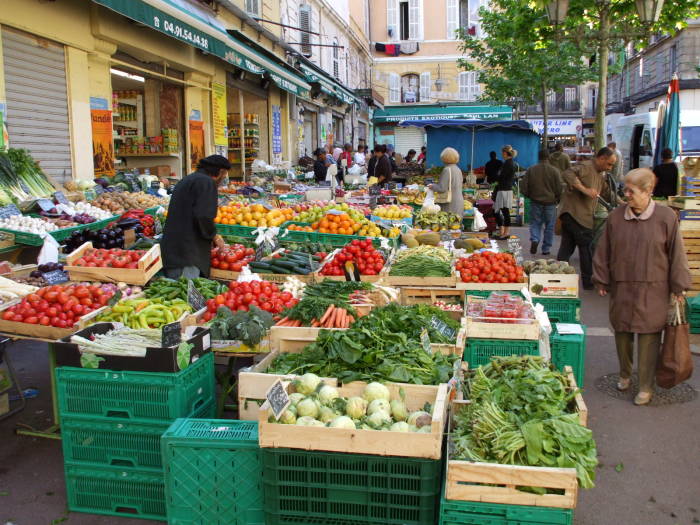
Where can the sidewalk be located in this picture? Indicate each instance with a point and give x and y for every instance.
(650, 456)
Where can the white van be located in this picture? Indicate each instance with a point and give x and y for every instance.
(635, 136)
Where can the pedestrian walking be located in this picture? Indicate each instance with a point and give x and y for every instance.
(559, 159)
(448, 190)
(542, 184)
(189, 230)
(504, 191)
(618, 170)
(666, 175)
(492, 168)
(640, 261)
(584, 183)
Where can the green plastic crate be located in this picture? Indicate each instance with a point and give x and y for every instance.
(115, 492)
(95, 442)
(564, 310)
(478, 352)
(349, 489)
(213, 472)
(569, 350)
(136, 396)
(236, 230)
(325, 238)
(454, 512)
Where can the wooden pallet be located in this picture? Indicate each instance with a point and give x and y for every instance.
(405, 444)
(496, 483)
(148, 265)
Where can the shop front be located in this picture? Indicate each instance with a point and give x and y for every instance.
(568, 131)
(387, 130)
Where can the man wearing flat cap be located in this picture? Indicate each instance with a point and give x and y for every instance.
(189, 230)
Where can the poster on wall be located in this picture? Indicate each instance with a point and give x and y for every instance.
(196, 142)
(218, 108)
(102, 142)
(276, 129)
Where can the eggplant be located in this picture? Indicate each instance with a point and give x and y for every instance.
(36, 274)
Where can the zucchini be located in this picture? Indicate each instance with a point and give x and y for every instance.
(280, 269)
(260, 266)
(283, 264)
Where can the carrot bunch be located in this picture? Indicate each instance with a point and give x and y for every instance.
(334, 317)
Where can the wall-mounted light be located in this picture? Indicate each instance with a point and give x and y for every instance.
(124, 74)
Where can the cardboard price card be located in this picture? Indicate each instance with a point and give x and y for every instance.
(278, 398)
(194, 297)
(171, 335)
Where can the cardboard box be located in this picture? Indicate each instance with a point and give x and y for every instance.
(554, 285)
(155, 360)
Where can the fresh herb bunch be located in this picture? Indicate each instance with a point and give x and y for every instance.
(382, 346)
(520, 414)
(248, 327)
(319, 296)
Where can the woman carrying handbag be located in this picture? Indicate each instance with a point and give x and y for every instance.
(448, 190)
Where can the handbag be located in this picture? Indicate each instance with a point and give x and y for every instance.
(446, 197)
(675, 363)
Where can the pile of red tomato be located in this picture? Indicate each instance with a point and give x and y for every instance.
(232, 257)
(489, 267)
(112, 258)
(58, 306)
(241, 296)
(367, 259)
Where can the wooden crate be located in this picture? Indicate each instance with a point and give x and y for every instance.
(496, 483)
(252, 385)
(429, 295)
(47, 332)
(392, 280)
(528, 329)
(148, 266)
(554, 285)
(406, 444)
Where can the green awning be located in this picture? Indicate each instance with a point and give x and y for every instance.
(169, 18)
(395, 114)
(327, 84)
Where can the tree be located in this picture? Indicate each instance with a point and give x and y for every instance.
(610, 24)
(520, 58)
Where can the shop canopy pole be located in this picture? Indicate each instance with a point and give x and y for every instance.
(471, 160)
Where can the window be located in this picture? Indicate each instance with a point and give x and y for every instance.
(392, 19)
(336, 67)
(305, 26)
(252, 7)
(570, 99)
(410, 89)
(469, 17)
(410, 18)
(425, 86)
(452, 19)
(551, 100)
(394, 88)
(469, 89)
(592, 99)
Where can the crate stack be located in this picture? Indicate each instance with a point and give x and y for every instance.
(689, 211)
(111, 424)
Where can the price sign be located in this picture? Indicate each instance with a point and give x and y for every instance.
(195, 299)
(9, 211)
(425, 340)
(56, 277)
(132, 182)
(45, 204)
(442, 327)
(61, 198)
(99, 190)
(260, 251)
(158, 225)
(171, 335)
(278, 398)
(155, 185)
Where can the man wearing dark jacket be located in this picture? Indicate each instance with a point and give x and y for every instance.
(189, 229)
(492, 168)
(542, 184)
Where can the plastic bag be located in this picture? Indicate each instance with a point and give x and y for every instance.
(331, 172)
(479, 223)
(429, 199)
(49, 251)
(355, 169)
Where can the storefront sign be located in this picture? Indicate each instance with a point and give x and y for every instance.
(218, 109)
(102, 142)
(196, 142)
(569, 126)
(276, 129)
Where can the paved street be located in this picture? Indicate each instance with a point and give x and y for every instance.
(649, 472)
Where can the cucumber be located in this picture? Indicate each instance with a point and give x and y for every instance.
(280, 269)
(260, 266)
(302, 254)
(283, 264)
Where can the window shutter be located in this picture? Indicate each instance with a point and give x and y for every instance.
(415, 20)
(305, 25)
(336, 68)
(252, 7)
(463, 85)
(452, 19)
(474, 89)
(394, 88)
(392, 18)
(425, 86)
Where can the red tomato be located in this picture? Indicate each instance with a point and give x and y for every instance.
(45, 321)
(223, 265)
(8, 315)
(31, 320)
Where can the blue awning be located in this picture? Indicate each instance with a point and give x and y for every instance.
(468, 124)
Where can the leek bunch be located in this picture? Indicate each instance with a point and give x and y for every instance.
(21, 178)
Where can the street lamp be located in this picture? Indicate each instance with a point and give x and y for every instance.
(556, 11)
(649, 10)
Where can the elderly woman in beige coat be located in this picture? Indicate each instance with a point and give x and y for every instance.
(640, 261)
(450, 183)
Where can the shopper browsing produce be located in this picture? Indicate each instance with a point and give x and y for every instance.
(189, 229)
(640, 261)
(448, 190)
